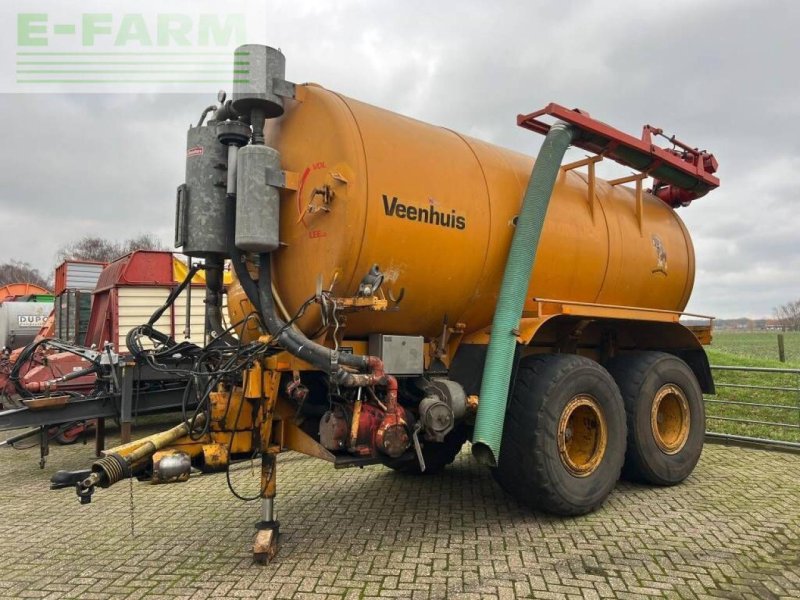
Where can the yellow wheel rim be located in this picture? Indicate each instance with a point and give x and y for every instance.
(669, 419)
(582, 435)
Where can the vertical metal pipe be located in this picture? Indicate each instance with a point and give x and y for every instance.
(187, 328)
(268, 509)
(233, 149)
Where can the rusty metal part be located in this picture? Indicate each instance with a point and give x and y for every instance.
(46, 402)
(354, 425)
(215, 457)
(268, 474)
(472, 407)
(270, 394)
(363, 443)
(227, 414)
(582, 435)
(296, 390)
(265, 546)
(171, 466)
(238, 442)
(670, 419)
(355, 303)
(334, 429)
(392, 435)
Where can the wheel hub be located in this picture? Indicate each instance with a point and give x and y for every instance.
(669, 419)
(582, 435)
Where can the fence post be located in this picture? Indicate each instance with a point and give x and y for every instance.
(781, 351)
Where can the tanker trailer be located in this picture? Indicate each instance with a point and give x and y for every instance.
(402, 289)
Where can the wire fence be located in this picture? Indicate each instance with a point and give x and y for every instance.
(755, 405)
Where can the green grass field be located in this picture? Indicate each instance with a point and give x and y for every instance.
(757, 349)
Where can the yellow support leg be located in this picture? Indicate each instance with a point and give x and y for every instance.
(265, 545)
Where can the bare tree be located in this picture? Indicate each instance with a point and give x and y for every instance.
(788, 315)
(104, 250)
(89, 248)
(21, 272)
(145, 241)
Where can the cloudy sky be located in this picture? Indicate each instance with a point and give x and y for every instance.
(721, 74)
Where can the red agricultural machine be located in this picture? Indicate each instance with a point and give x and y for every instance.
(78, 371)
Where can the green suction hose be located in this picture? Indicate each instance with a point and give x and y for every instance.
(516, 278)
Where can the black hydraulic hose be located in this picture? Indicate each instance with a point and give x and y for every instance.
(260, 296)
(25, 356)
(174, 294)
(295, 342)
(214, 301)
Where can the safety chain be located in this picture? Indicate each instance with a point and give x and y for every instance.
(133, 530)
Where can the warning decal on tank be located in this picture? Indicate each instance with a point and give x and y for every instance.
(428, 214)
(196, 151)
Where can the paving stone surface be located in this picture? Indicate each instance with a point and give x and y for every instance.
(731, 531)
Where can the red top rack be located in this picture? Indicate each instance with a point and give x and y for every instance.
(681, 174)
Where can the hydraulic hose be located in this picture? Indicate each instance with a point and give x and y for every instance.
(260, 296)
(294, 341)
(214, 287)
(490, 419)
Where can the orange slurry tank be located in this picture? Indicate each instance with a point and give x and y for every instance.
(436, 211)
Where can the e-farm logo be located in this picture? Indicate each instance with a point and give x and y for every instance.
(126, 46)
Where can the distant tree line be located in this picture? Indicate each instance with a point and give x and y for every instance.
(16, 271)
(789, 315)
(104, 250)
(87, 248)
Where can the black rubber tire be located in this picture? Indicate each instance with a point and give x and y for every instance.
(530, 467)
(437, 455)
(639, 376)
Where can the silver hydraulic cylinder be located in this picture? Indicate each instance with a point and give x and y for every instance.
(257, 202)
(200, 211)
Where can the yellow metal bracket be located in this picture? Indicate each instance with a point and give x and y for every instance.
(547, 306)
(361, 303)
(589, 162)
(291, 180)
(638, 178)
(289, 436)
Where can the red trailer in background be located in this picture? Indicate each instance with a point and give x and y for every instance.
(132, 287)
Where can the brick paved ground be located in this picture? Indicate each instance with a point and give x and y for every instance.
(732, 530)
